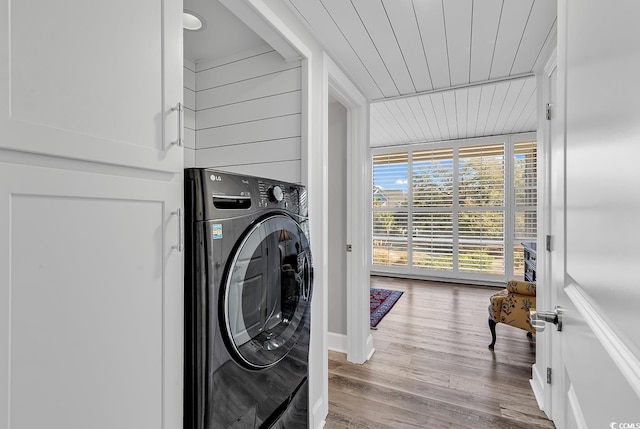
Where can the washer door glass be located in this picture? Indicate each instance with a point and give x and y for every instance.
(267, 292)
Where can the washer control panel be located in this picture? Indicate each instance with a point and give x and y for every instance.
(276, 194)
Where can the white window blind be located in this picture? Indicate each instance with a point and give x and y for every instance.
(526, 200)
(481, 178)
(433, 178)
(390, 215)
(432, 240)
(432, 203)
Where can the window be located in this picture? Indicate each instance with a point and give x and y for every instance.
(481, 216)
(432, 209)
(390, 216)
(450, 209)
(526, 200)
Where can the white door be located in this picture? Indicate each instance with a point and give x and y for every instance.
(92, 80)
(595, 207)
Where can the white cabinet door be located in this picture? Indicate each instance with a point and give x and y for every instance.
(90, 301)
(92, 80)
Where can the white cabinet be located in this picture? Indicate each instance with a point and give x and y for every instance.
(90, 183)
(92, 80)
(90, 301)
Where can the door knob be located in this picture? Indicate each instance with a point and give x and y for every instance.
(538, 318)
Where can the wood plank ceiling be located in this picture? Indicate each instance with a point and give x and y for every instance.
(437, 70)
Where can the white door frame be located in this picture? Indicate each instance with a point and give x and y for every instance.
(359, 340)
(545, 300)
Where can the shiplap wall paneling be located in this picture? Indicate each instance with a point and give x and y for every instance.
(405, 28)
(473, 103)
(484, 106)
(439, 108)
(458, 30)
(429, 16)
(486, 21)
(379, 135)
(189, 74)
(418, 113)
(451, 113)
(514, 18)
(380, 130)
(255, 131)
(429, 112)
(395, 126)
(280, 82)
(539, 28)
(273, 106)
(525, 116)
(374, 16)
(473, 111)
(496, 104)
(514, 90)
(399, 110)
(515, 112)
(462, 110)
(248, 115)
(336, 43)
(392, 47)
(257, 63)
(346, 17)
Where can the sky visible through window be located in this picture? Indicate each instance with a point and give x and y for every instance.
(384, 177)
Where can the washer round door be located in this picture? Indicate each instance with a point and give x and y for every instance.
(267, 292)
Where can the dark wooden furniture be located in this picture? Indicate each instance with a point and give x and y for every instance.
(529, 261)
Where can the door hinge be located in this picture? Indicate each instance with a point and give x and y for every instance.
(548, 375)
(548, 243)
(548, 111)
(348, 248)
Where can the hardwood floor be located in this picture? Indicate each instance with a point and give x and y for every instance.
(432, 367)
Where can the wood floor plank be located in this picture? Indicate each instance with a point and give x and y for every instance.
(432, 367)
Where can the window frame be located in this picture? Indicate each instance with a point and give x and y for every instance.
(509, 208)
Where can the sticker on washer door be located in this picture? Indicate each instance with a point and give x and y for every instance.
(216, 231)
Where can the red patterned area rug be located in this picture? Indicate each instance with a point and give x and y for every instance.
(381, 302)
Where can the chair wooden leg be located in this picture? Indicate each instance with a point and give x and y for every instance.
(492, 328)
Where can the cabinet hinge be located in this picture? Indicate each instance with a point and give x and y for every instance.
(548, 375)
(548, 243)
(548, 111)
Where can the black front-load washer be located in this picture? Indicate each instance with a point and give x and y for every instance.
(248, 285)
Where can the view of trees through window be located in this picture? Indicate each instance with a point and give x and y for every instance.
(448, 209)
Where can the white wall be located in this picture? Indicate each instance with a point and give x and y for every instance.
(189, 95)
(337, 310)
(248, 115)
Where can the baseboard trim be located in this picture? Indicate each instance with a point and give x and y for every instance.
(538, 389)
(314, 414)
(337, 342)
(371, 350)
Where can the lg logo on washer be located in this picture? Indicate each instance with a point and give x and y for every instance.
(215, 178)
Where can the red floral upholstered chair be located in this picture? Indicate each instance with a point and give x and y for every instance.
(511, 306)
